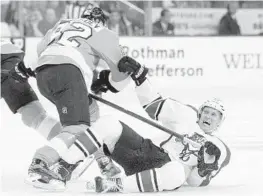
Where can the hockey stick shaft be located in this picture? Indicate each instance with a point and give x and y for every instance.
(141, 118)
(79, 171)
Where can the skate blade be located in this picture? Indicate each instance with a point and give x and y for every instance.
(32, 177)
(53, 185)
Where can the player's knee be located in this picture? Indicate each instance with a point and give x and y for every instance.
(173, 176)
(109, 129)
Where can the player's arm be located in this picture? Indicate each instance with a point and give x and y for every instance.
(168, 111)
(171, 113)
(169, 177)
(205, 171)
(105, 44)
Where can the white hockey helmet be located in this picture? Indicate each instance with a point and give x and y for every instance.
(216, 104)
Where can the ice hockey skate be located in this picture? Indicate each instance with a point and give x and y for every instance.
(108, 168)
(41, 176)
(64, 169)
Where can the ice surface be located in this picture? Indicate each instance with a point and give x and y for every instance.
(242, 131)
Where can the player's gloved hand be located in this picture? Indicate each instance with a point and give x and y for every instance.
(102, 84)
(129, 65)
(206, 168)
(212, 149)
(26, 72)
(21, 73)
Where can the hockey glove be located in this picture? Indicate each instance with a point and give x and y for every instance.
(21, 73)
(102, 84)
(138, 72)
(27, 72)
(206, 168)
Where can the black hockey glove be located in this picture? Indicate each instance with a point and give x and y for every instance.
(27, 72)
(102, 84)
(21, 73)
(138, 72)
(206, 168)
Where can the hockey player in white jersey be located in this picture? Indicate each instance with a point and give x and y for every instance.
(152, 167)
(68, 55)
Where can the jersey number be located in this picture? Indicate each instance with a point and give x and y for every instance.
(76, 30)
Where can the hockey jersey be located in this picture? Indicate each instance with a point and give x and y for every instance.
(82, 43)
(182, 119)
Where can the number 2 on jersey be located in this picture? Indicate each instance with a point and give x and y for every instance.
(70, 35)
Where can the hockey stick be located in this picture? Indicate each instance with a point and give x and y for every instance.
(143, 119)
(79, 171)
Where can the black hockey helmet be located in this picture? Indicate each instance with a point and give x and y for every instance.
(95, 14)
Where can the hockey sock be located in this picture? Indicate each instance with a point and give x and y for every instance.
(34, 116)
(79, 135)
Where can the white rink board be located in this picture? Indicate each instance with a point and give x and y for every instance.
(242, 130)
(187, 62)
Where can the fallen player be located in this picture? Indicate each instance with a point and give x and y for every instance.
(172, 162)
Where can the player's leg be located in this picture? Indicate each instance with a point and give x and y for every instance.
(21, 98)
(135, 153)
(109, 130)
(169, 177)
(130, 150)
(64, 85)
(140, 159)
(77, 151)
(35, 116)
(75, 162)
(110, 136)
(67, 166)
